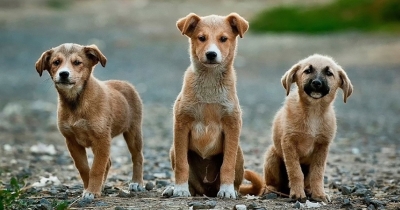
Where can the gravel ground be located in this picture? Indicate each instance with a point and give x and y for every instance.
(143, 46)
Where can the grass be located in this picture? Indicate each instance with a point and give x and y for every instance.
(341, 15)
(13, 195)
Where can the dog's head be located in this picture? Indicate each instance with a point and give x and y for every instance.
(318, 77)
(70, 65)
(212, 38)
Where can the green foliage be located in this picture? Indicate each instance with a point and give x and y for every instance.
(58, 4)
(363, 15)
(12, 196)
(9, 195)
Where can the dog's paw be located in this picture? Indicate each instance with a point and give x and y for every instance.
(168, 192)
(135, 187)
(322, 198)
(181, 190)
(87, 197)
(298, 195)
(227, 191)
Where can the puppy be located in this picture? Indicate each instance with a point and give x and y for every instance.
(303, 130)
(92, 112)
(205, 155)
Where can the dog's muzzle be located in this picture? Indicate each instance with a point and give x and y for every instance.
(63, 78)
(317, 88)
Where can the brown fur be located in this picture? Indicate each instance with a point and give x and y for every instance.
(92, 112)
(207, 116)
(303, 130)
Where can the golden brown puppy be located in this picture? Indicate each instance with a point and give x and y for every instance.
(304, 128)
(92, 112)
(205, 155)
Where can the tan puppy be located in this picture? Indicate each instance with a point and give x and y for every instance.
(205, 155)
(303, 129)
(92, 112)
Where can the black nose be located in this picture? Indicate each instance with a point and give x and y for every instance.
(211, 55)
(64, 74)
(316, 84)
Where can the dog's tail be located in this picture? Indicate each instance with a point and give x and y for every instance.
(257, 185)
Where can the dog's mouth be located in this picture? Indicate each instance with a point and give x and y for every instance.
(316, 95)
(67, 83)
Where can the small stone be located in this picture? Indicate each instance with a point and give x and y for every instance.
(395, 199)
(203, 205)
(372, 183)
(346, 204)
(240, 207)
(149, 186)
(120, 208)
(269, 196)
(149, 177)
(371, 207)
(123, 194)
(297, 205)
(346, 190)
(334, 185)
(162, 183)
(362, 192)
(100, 203)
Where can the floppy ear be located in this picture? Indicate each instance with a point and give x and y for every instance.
(95, 54)
(187, 24)
(346, 85)
(289, 77)
(239, 25)
(43, 62)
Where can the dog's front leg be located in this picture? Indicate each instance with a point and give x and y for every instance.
(181, 168)
(293, 168)
(78, 154)
(101, 153)
(231, 127)
(316, 173)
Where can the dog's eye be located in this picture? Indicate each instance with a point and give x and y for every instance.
(56, 62)
(202, 38)
(329, 73)
(307, 71)
(76, 63)
(223, 39)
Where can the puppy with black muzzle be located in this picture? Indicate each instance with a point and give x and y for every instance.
(303, 130)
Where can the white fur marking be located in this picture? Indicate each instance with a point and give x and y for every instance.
(68, 46)
(65, 68)
(214, 48)
(227, 191)
(181, 190)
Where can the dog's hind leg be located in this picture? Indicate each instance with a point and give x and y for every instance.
(133, 139)
(273, 176)
(106, 173)
(78, 154)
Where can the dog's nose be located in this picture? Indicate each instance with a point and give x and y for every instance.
(211, 55)
(316, 84)
(64, 74)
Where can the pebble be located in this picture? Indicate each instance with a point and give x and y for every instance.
(269, 196)
(346, 204)
(149, 186)
(120, 208)
(162, 183)
(371, 207)
(362, 192)
(100, 203)
(253, 206)
(346, 190)
(334, 185)
(203, 205)
(148, 177)
(240, 207)
(123, 194)
(297, 205)
(372, 183)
